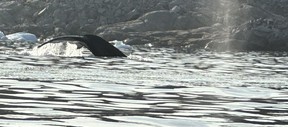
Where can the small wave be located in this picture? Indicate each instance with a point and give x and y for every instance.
(139, 58)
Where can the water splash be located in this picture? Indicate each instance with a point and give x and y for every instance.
(58, 49)
(226, 17)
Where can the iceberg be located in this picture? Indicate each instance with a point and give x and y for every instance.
(121, 46)
(22, 36)
(2, 36)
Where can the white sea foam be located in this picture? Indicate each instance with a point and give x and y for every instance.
(57, 49)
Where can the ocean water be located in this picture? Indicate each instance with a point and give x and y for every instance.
(154, 87)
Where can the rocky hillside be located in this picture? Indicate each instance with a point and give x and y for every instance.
(183, 24)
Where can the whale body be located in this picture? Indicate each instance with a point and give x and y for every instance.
(97, 45)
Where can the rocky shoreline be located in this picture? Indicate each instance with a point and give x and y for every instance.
(182, 24)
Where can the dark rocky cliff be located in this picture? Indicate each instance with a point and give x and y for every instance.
(184, 24)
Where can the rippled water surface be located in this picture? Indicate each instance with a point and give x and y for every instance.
(151, 88)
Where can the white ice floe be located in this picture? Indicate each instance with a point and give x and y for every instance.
(22, 36)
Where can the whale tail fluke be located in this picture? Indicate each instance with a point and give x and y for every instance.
(97, 45)
(63, 38)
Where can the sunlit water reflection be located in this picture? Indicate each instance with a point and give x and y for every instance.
(151, 88)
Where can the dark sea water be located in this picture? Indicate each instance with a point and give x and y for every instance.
(152, 88)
